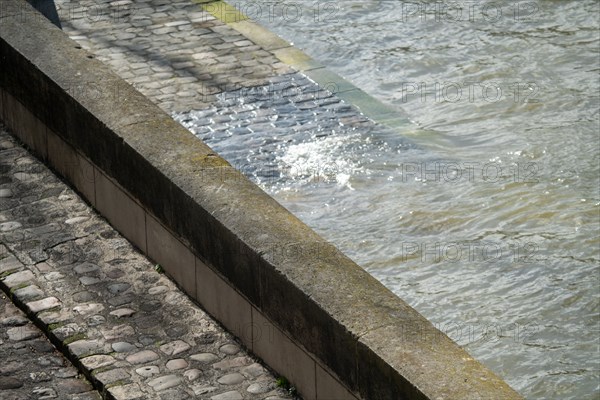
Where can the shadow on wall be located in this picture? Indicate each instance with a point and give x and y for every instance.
(48, 9)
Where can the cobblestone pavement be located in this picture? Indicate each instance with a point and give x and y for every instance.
(128, 327)
(31, 367)
(173, 51)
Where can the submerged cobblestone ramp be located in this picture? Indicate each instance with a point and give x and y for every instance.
(128, 327)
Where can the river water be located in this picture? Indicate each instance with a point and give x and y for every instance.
(482, 212)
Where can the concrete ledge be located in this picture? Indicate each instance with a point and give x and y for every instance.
(292, 298)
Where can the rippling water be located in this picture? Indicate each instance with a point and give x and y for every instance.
(483, 213)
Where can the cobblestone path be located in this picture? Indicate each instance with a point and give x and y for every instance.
(125, 325)
(31, 367)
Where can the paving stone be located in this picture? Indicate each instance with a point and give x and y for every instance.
(123, 347)
(204, 357)
(165, 382)
(232, 363)
(18, 278)
(44, 304)
(91, 395)
(174, 348)
(25, 332)
(68, 372)
(259, 387)
(87, 309)
(203, 389)
(96, 320)
(113, 375)
(192, 374)
(7, 382)
(158, 290)
(148, 371)
(14, 320)
(229, 349)
(254, 370)
(10, 263)
(9, 226)
(39, 376)
(84, 296)
(82, 347)
(127, 392)
(30, 292)
(76, 220)
(88, 280)
(178, 363)
(231, 395)
(231, 379)
(45, 393)
(142, 357)
(68, 330)
(119, 287)
(117, 332)
(86, 268)
(121, 300)
(98, 361)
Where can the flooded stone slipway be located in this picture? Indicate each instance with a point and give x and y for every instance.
(483, 211)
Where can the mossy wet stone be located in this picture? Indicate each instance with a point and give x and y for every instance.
(18, 278)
